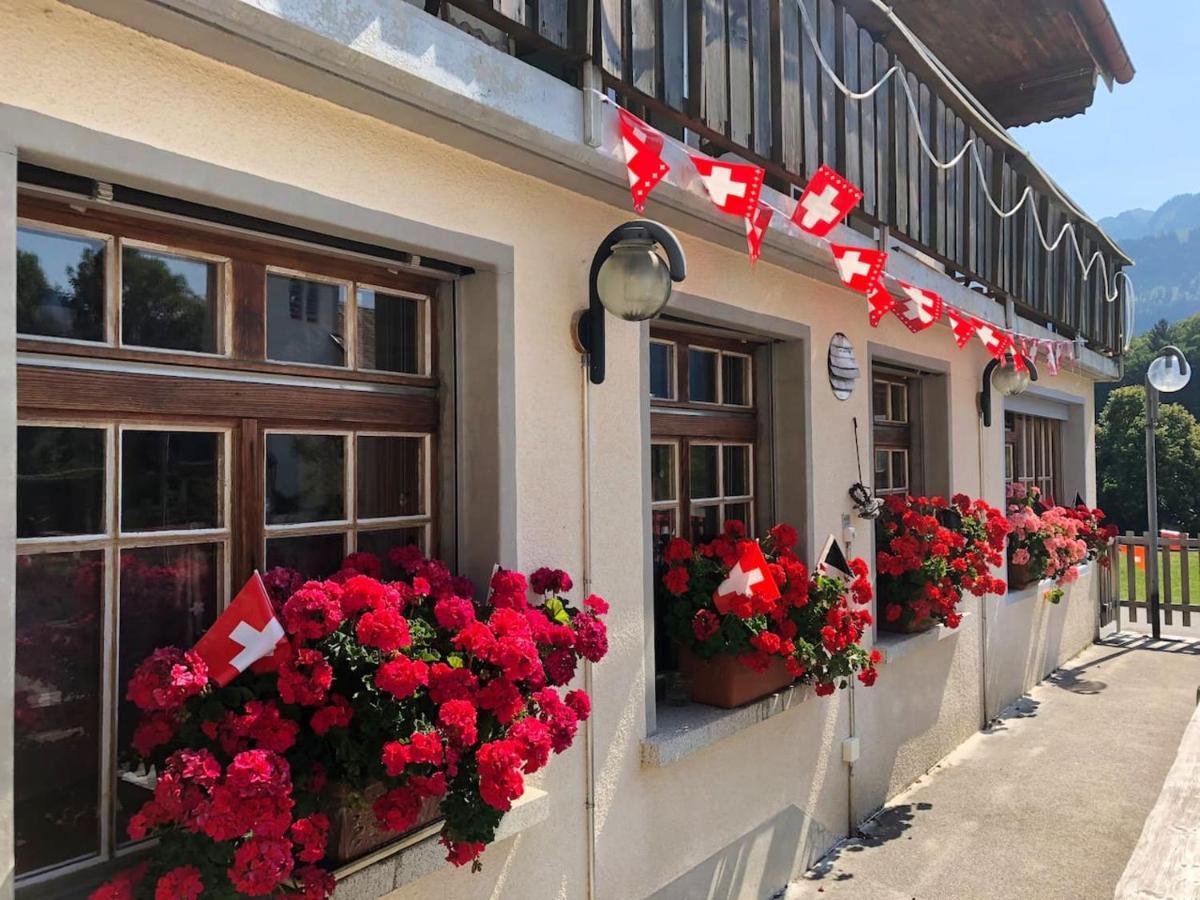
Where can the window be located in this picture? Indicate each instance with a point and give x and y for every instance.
(706, 459)
(896, 439)
(1033, 453)
(703, 445)
(146, 495)
(141, 562)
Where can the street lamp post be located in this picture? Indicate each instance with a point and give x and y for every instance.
(1169, 372)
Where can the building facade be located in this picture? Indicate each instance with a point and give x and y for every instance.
(284, 280)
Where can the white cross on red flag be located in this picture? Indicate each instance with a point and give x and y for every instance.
(749, 577)
(881, 303)
(643, 157)
(756, 230)
(962, 325)
(733, 187)
(858, 268)
(918, 308)
(997, 342)
(827, 199)
(246, 632)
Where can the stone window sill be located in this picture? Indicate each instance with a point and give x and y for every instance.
(420, 854)
(895, 647)
(683, 730)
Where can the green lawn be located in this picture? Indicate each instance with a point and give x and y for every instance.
(1176, 591)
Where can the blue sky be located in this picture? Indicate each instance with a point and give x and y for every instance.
(1139, 145)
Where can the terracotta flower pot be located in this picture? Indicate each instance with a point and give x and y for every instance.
(1020, 577)
(353, 831)
(724, 682)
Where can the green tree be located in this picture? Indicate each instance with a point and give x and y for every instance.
(1121, 462)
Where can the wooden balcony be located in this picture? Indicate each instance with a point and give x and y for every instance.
(743, 77)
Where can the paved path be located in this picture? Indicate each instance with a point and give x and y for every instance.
(1045, 805)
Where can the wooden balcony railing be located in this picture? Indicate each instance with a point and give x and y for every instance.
(743, 76)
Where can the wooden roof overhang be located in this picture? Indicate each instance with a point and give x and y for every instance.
(1026, 60)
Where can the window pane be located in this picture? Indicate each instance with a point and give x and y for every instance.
(168, 598)
(60, 481)
(900, 469)
(706, 523)
(879, 400)
(662, 472)
(60, 285)
(899, 403)
(305, 478)
(702, 375)
(735, 384)
(703, 465)
(389, 477)
(662, 364)
(60, 602)
(883, 480)
(170, 480)
(312, 555)
(305, 320)
(380, 543)
(391, 335)
(169, 301)
(740, 512)
(663, 522)
(737, 470)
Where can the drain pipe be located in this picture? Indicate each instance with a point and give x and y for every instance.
(983, 616)
(586, 565)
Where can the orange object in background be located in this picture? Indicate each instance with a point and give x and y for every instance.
(1139, 557)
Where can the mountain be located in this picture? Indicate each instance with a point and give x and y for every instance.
(1165, 245)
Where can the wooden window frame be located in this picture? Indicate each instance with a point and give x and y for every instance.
(111, 544)
(115, 296)
(425, 349)
(672, 370)
(892, 435)
(249, 256)
(688, 423)
(241, 394)
(1035, 444)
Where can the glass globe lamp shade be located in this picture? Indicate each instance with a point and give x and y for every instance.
(1008, 381)
(1168, 374)
(634, 283)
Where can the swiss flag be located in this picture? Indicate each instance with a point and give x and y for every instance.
(827, 199)
(881, 302)
(962, 325)
(858, 268)
(246, 632)
(918, 308)
(643, 157)
(756, 230)
(733, 187)
(749, 577)
(997, 342)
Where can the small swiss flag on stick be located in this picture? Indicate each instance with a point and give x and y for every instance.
(749, 577)
(827, 199)
(246, 632)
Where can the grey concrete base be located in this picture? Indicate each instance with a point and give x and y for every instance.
(1046, 804)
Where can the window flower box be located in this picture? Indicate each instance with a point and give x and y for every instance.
(354, 830)
(744, 638)
(931, 552)
(726, 683)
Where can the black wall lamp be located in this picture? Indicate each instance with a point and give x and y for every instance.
(1009, 381)
(629, 279)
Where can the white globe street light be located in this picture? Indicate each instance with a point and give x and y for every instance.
(1169, 372)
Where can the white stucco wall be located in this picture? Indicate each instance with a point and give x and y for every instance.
(737, 818)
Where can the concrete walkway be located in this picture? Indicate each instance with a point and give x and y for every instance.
(1047, 804)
